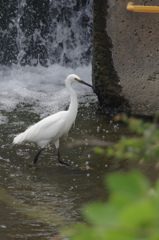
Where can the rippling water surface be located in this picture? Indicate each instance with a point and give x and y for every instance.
(36, 203)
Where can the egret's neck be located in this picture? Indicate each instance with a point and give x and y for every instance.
(73, 101)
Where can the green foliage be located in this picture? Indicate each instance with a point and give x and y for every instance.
(132, 209)
(144, 145)
(131, 212)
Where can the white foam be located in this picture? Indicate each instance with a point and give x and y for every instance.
(42, 87)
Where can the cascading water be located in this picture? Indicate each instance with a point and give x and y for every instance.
(48, 32)
(71, 32)
(41, 43)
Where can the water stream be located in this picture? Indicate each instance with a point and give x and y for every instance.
(36, 203)
(57, 192)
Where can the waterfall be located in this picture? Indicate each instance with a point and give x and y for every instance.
(71, 32)
(46, 32)
(41, 42)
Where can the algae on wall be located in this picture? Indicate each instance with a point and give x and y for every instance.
(105, 77)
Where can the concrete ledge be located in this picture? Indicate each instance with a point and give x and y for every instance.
(134, 49)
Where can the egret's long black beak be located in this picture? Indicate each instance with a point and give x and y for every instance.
(83, 82)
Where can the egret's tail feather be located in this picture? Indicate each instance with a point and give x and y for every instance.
(19, 138)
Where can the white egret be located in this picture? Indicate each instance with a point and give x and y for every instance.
(55, 126)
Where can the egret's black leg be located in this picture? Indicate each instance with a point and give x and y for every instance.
(37, 155)
(59, 158)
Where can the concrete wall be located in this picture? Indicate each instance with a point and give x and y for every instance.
(134, 47)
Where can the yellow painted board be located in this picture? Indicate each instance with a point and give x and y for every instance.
(145, 9)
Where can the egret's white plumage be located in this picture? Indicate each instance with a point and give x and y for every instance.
(55, 126)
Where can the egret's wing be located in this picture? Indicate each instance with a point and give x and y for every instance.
(46, 129)
(51, 126)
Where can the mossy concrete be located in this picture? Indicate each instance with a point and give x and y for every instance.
(126, 56)
(105, 77)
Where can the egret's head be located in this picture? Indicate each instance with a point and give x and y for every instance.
(74, 78)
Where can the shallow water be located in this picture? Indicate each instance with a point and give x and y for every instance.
(36, 203)
(50, 196)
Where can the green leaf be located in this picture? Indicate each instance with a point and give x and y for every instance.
(99, 150)
(132, 185)
(101, 214)
(141, 214)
